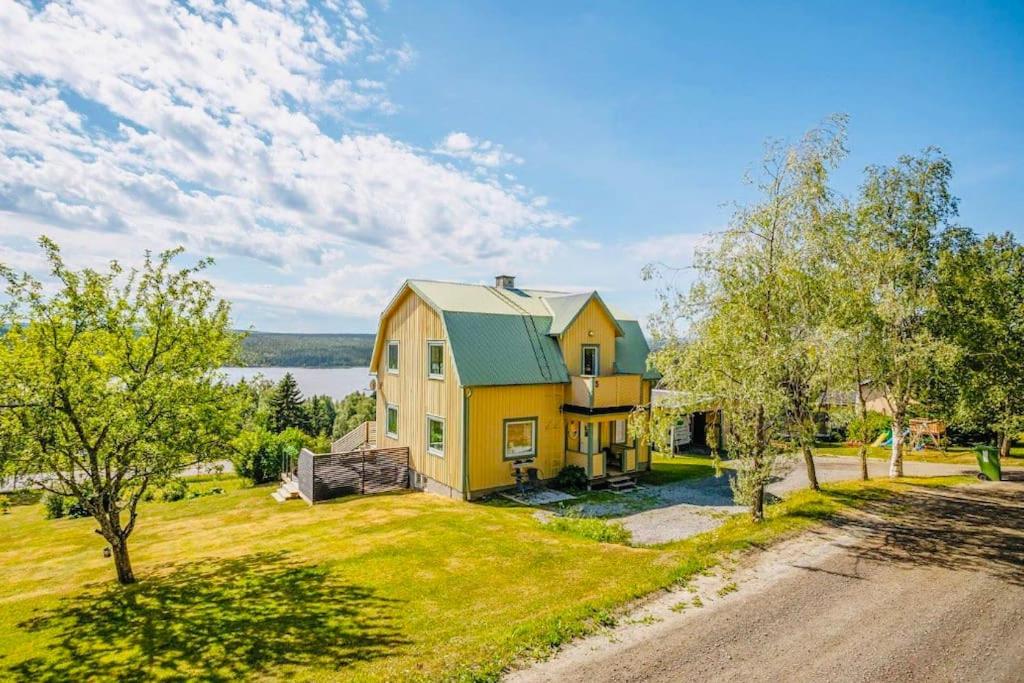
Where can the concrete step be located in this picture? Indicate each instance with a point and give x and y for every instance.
(287, 491)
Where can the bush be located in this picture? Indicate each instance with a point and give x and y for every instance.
(74, 509)
(257, 455)
(867, 429)
(55, 505)
(5, 505)
(571, 478)
(173, 490)
(590, 528)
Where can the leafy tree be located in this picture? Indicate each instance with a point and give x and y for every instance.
(320, 415)
(752, 344)
(980, 308)
(353, 410)
(902, 213)
(285, 405)
(108, 384)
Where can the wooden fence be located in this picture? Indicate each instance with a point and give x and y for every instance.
(322, 476)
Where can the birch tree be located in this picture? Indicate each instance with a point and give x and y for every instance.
(902, 212)
(740, 337)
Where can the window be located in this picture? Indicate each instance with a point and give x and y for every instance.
(435, 435)
(520, 438)
(620, 432)
(393, 357)
(435, 360)
(391, 425)
(591, 361)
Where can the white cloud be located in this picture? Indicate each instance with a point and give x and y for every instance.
(126, 126)
(483, 153)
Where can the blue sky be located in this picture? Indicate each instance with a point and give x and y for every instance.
(324, 154)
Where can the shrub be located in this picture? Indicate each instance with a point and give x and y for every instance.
(571, 478)
(257, 455)
(5, 505)
(54, 505)
(590, 528)
(867, 429)
(74, 509)
(173, 490)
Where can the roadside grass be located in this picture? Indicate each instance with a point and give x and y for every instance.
(393, 587)
(954, 455)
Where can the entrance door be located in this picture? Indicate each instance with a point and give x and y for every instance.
(700, 424)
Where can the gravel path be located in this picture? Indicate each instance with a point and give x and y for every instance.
(690, 507)
(932, 590)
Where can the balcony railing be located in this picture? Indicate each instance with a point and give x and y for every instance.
(605, 391)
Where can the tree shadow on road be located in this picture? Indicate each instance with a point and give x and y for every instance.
(217, 620)
(963, 529)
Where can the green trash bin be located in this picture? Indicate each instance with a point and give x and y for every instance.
(988, 463)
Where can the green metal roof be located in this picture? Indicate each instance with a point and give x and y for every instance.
(509, 336)
(496, 349)
(631, 351)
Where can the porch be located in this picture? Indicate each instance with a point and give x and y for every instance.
(602, 446)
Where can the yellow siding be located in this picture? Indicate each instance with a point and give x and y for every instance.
(489, 407)
(592, 326)
(412, 323)
(643, 447)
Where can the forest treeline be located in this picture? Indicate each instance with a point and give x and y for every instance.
(282, 349)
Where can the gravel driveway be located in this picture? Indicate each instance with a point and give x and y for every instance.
(929, 590)
(690, 507)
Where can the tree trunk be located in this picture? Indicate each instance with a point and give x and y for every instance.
(812, 474)
(896, 460)
(863, 454)
(1004, 446)
(757, 505)
(122, 563)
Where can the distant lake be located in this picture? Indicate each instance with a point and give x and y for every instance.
(334, 382)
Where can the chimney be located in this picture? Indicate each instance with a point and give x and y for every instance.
(505, 281)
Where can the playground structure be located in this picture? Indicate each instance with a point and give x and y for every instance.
(919, 431)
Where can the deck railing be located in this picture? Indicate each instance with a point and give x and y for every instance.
(322, 476)
(605, 391)
(363, 436)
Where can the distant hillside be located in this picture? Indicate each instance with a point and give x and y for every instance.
(274, 349)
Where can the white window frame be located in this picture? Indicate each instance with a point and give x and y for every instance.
(387, 357)
(583, 360)
(444, 435)
(532, 421)
(387, 420)
(430, 345)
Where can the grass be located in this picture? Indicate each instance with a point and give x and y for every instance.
(955, 455)
(668, 469)
(407, 586)
(591, 528)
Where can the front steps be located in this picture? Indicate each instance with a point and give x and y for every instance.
(621, 483)
(289, 490)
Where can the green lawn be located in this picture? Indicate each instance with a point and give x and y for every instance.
(406, 586)
(959, 455)
(666, 469)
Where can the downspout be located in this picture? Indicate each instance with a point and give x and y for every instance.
(466, 393)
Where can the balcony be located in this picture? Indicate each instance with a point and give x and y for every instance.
(604, 392)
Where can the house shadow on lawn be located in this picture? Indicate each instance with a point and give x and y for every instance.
(979, 529)
(215, 620)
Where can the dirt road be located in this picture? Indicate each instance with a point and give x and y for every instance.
(932, 590)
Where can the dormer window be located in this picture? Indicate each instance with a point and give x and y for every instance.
(591, 363)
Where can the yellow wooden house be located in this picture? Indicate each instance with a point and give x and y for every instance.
(480, 381)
